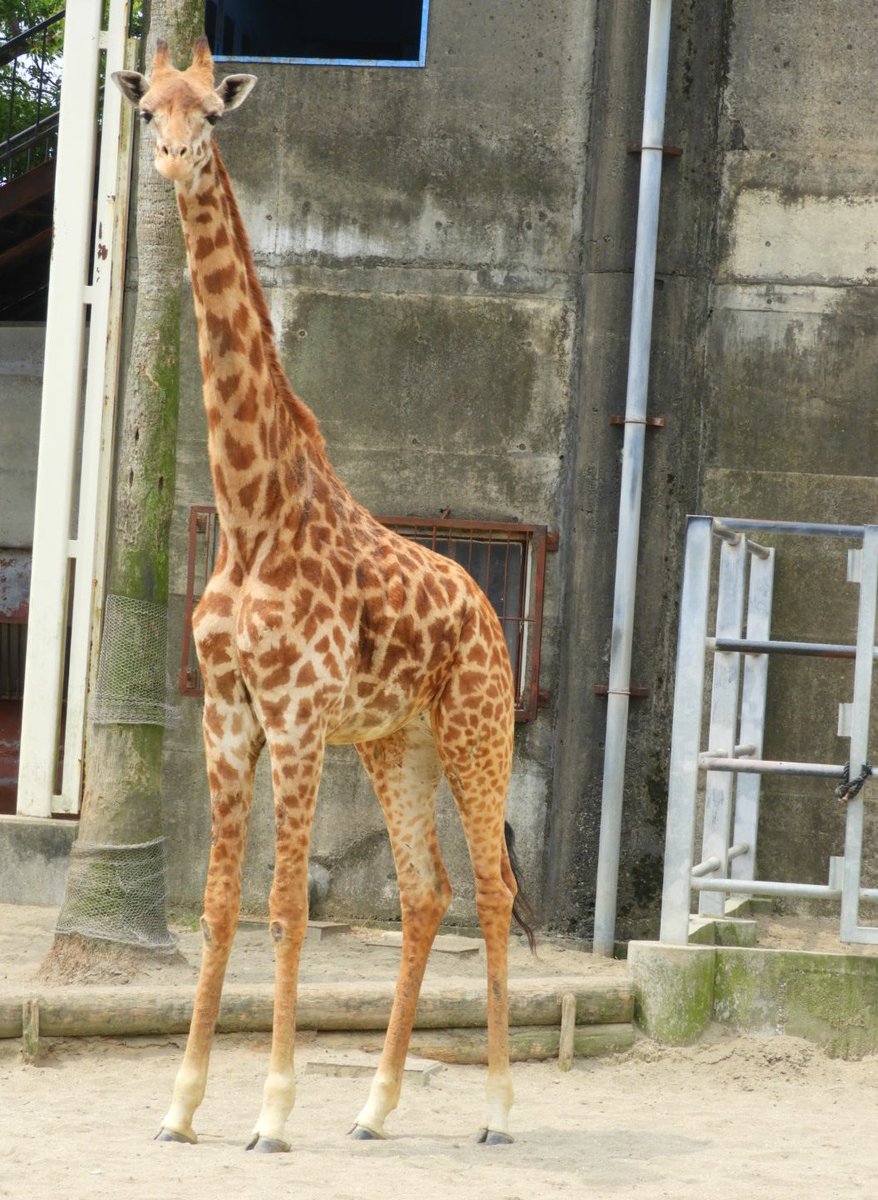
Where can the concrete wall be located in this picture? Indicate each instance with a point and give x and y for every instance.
(418, 233)
(792, 428)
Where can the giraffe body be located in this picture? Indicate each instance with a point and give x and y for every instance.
(320, 626)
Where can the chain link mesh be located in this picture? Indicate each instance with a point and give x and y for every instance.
(130, 687)
(118, 894)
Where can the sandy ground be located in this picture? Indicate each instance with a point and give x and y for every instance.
(730, 1117)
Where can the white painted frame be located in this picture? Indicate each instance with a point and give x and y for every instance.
(62, 536)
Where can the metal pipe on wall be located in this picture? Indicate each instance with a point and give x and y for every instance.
(632, 475)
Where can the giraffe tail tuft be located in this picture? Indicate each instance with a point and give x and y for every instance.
(522, 910)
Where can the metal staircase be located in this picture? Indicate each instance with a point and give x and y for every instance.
(30, 89)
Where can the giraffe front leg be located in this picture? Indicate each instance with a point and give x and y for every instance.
(279, 1091)
(230, 760)
(296, 776)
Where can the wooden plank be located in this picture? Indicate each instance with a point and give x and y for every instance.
(538, 1043)
(318, 930)
(567, 1038)
(356, 1062)
(30, 1031)
(444, 943)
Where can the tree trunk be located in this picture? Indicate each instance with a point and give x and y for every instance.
(116, 887)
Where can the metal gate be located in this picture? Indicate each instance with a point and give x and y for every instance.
(732, 763)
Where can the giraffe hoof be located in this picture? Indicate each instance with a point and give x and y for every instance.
(268, 1145)
(361, 1133)
(493, 1137)
(174, 1135)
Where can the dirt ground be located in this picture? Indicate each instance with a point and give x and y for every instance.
(730, 1117)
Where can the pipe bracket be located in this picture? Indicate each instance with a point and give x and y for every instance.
(667, 151)
(653, 422)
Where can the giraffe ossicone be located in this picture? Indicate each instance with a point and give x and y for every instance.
(320, 626)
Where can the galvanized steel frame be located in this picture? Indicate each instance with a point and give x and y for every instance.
(733, 761)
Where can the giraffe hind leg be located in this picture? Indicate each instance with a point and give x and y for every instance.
(474, 724)
(405, 772)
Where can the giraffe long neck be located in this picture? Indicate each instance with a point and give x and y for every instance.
(261, 438)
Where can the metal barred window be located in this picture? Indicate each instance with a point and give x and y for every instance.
(506, 559)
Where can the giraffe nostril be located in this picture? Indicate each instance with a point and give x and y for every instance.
(183, 151)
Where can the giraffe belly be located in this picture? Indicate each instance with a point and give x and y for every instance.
(372, 710)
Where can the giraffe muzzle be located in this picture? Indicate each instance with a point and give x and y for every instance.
(174, 160)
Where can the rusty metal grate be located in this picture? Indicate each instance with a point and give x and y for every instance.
(14, 596)
(204, 538)
(506, 559)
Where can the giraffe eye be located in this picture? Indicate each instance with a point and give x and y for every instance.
(145, 116)
(212, 118)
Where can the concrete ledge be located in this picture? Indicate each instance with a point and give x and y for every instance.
(830, 999)
(34, 854)
(673, 990)
(722, 931)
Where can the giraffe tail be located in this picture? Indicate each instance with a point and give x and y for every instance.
(522, 910)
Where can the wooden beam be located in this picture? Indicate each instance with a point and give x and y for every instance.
(24, 250)
(132, 1011)
(27, 189)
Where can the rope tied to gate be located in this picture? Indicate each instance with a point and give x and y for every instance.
(849, 788)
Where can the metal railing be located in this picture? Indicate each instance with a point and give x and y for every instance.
(733, 765)
(30, 92)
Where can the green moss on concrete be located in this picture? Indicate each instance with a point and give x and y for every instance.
(673, 990)
(830, 999)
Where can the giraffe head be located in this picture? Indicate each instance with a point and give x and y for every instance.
(182, 107)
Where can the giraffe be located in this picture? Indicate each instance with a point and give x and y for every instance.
(320, 626)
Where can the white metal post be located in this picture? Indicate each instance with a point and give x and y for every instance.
(686, 734)
(851, 930)
(720, 786)
(631, 487)
(105, 298)
(54, 543)
(754, 689)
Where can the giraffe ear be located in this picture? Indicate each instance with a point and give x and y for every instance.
(131, 84)
(235, 89)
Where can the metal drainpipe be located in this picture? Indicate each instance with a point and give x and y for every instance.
(632, 475)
